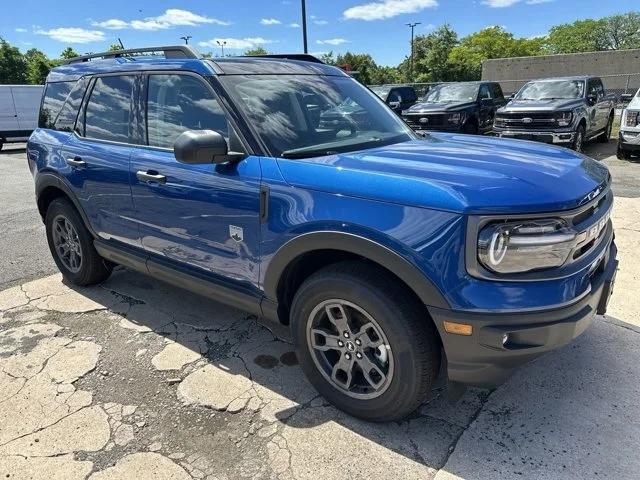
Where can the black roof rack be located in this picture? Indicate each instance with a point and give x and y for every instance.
(173, 51)
(305, 57)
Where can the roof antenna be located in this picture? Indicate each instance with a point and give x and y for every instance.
(121, 44)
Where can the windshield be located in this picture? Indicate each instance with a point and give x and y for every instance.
(300, 116)
(382, 92)
(562, 89)
(453, 92)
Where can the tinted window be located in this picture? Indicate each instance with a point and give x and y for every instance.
(67, 118)
(496, 91)
(177, 103)
(409, 94)
(55, 95)
(108, 114)
(485, 93)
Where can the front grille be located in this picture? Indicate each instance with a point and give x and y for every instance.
(524, 121)
(424, 121)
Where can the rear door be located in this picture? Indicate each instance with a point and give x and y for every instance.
(98, 155)
(205, 217)
(8, 117)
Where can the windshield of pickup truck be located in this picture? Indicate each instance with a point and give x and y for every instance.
(453, 92)
(557, 90)
(299, 116)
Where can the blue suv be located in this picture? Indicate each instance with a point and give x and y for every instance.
(282, 186)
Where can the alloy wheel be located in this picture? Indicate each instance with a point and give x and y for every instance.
(67, 244)
(350, 349)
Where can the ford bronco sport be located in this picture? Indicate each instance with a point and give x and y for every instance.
(386, 252)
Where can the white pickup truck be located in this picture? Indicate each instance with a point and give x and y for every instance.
(629, 140)
(19, 106)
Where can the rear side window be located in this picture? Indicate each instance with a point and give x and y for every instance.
(409, 94)
(177, 103)
(67, 118)
(54, 97)
(496, 91)
(108, 112)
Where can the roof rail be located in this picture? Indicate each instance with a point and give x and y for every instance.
(172, 51)
(305, 57)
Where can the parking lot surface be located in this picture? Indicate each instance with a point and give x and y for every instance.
(134, 378)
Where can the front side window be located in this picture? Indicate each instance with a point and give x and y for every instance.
(300, 116)
(54, 97)
(552, 90)
(485, 93)
(108, 112)
(177, 103)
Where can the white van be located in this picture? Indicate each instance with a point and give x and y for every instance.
(19, 106)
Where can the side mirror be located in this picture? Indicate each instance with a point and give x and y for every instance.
(196, 147)
(511, 97)
(592, 98)
(394, 105)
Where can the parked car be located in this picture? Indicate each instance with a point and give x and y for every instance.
(566, 111)
(398, 97)
(629, 138)
(386, 252)
(467, 107)
(19, 105)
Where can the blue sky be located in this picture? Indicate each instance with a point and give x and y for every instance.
(373, 26)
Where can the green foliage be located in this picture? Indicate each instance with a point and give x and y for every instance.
(13, 66)
(431, 56)
(623, 31)
(581, 36)
(256, 51)
(38, 66)
(115, 47)
(68, 53)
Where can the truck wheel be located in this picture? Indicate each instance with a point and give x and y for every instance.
(470, 128)
(606, 135)
(364, 342)
(578, 141)
(622, 154)
(71, 245)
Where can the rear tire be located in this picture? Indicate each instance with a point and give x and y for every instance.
(71, 246)
(394, 332)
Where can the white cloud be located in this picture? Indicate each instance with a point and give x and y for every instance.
(111, 24)
(173, 17)
(237, 43)
(270, 21)
(387, 9)
(499, 3)
(294, 25)
(320, 22)
(332, 41)
(21, 30)
(538, 2)
(73, 35)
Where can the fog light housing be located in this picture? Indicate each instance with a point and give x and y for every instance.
(458, 328)
(505, 339)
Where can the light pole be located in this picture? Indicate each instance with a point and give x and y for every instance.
(222, 44)
(186, 39)
(304, 26)
(412, 26)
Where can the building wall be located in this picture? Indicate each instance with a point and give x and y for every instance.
(616, 67)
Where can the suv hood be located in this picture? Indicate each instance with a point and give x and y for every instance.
(453, 172)
(438, 107)
(515, 106)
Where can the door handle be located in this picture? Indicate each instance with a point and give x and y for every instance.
(151, 177)
(76, 162)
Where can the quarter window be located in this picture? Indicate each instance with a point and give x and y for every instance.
(108, 113)
(177, 103)
(55, 95)
(67, 117)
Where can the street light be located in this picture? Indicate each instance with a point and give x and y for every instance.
(186, 39)
(304, 26)
(222, 44)
(412, 26)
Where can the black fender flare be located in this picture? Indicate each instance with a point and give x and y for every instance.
(422, 286)
(45, 180)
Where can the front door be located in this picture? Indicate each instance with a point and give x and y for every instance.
(205, 217)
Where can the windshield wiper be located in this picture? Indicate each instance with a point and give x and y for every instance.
(307, 153)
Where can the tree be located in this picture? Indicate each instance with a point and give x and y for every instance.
(465, 60)
(361, 63)
(623, 31)
(38, 66)
(580, 36)
(431, 55)
(68, 53)
(13, 66)
(256, 52)
(115, 47)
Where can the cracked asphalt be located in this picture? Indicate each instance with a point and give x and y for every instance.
(137, 379)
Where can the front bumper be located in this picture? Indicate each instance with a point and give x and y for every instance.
(537, 136)
(482, 359)
(629, 143)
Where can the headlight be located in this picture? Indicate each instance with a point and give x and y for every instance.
(564, 119)
(633, 119)
(517, 247)
(455, 118)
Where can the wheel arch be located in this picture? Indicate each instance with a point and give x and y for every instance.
(287, 269)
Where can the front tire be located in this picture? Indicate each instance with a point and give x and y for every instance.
(578, 141)
(364, 342)
(606, 135)
(71, 246)
(623, 154)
